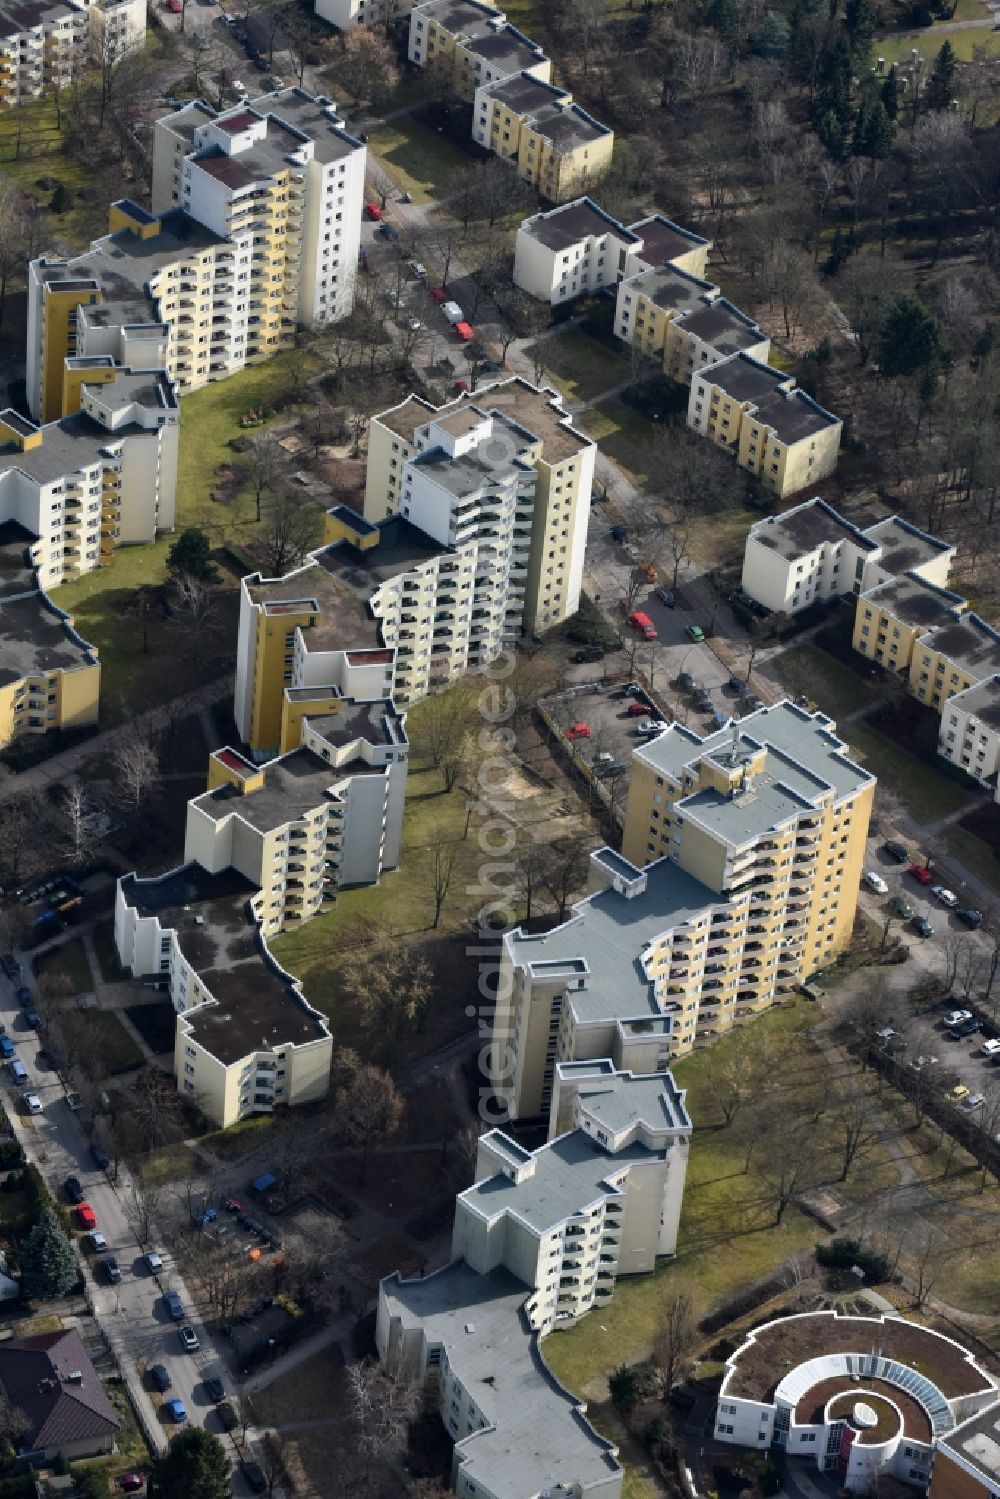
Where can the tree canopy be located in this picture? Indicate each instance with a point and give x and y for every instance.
(195, 1465)
(191, 556)
(48, 1265)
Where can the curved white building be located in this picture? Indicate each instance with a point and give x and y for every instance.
(860, 1395)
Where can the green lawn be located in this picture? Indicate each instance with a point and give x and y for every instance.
(892, 48)
(40, 154)
(832, 686)
(580, 366)
(718, 1251)
(419, 159)
(119, 1051)
(624, 436)
(67, 966)
(927, 794)
(975, 855)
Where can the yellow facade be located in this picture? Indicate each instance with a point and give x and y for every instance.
(61, 699)
(304, 705)
(275, 643)
(337, 527)
(884, 637)
(934, 678)
(59, 342)
(786, 468)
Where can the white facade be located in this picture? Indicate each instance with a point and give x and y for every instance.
(810, 553)
(969, 732)
(347, 13)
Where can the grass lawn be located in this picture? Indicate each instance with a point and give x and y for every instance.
(156, 1024)
(835, 689)
(720, 538)
(66, 965)
(719, 1249)
(580, 366)
(107, 953)
(311, 1391)
(624, 436)
(964, 43)
(40, 154)
(975, 855)
(420, 160)
(119, 1051)
(927, 794)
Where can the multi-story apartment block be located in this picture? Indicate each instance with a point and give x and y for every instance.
(967, 1459)
(866, 1398)
(555, 145)
(94, 481)
(255, 229)
(118, 28)
(891, 618)
(539, 1241)
(44, 46)
(953, 657)
(474, 42)
(266, 848)
(753, 841)
(347, 13)
(578, 249)
(779, 434)
(563, 459)
(969, 732)
(49, 677)
(810, 553)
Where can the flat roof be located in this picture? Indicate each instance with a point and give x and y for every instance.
(981, 701)
(743, 378)
(582, 219)
(536, 1436)
(294, 784)
(567, 126)
(977, 1441)
(623, 1100)
(797, 532)
(773, 1351)
(968, 643)
(525, 94)
(845, 1391)
(460, 17)
(792, 415)
(257, 1007)
(35, 636)
(914, 601)
(536, 409)
(905, 546)
(663, 240)
(568, 1176)
(26, 15)
(481, 467)
(377, 723)
(508, 46)
(671, 288)
(722, 326)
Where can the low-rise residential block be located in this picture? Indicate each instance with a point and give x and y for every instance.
(539, 1241)
(742, 857)
(474, 42)
(969, 732)
(49, 676)
(555, 145)
(344, 14)
(967, 1458)
(894, 616)
(810, 554)
(866, 1398)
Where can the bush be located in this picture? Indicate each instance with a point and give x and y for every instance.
(845, 1253)
(11, 1154)
(589, 627)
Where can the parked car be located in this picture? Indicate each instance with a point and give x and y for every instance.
(465, 331)
(901, 907)
(86, 1216)
(130, 1483)
(176, 1411)
(174, 1306)
(589, 653)
(946, 897)
(233, 1205)
(100, 1158)
(666, 596)
(990, 1048)
(214, 1389)
(158, 1374)
(650, 726)
(73, 1189)
(955, 1017)
(189, 1338)
(418, 270)
(578, 731)
(695, 633)
(453, 312)
(32, 1103)
(6, 1048)
(255, 1477)
(228, 1418)
(74, 1102)
(974, 1101)
(154, 1263)
(956, 1094)
(921, 873)
(610, 767)
(896, 851)
(618, 533)
(875, 882)
(373, 212)
(965, 1029)
(970, 917)
(386, 231)
(922, 926)
(95, 1242)
(110, 1267)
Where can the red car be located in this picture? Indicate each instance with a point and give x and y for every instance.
(465, 331)
(636, 710)
(373, 212)
(922, 873)
(130, 1483)
(463, 385)
(86, 1216)
(438, 294)
(579, 731)
(175, 7)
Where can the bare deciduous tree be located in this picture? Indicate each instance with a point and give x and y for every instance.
(441, 860)
(368, 1112)
(136, 767)
(675, 1339)
(293, 526)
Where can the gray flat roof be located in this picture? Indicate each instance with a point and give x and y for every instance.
(34, 636)
(460, 17)
(671, 288)
(257, 1008)
(978, 1442)
(607, 934)
(905, 546)
(525, 94)
(663, 240)
(508, 46)
(570, 1175)
(792, 415)
(968, 643)
(68, 445)
(294, 784)
(479, 468)
(537, 1436)
(581, 219)
(537, 409)
(801, 530)
(722, 326)
(914, 601)
(623, 1100)
(376, 722)
(982, 701)
(744, 378)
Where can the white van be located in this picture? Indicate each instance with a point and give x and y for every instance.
(17, 1070)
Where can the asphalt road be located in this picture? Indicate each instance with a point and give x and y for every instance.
(132, 1313)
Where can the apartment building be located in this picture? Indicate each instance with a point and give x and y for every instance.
(555, 145)
(742, 855)
(44, 46)
(953, 657)
(88, 483)
(255, 229)
(49, 676)
(538, 1242)
(969, 732)
(967, 1458)
(811, 553)
(347, 13)
(474, 42)
(866, 1398)
(779, 434)
(563, 459)
(578, 249)
(118, 28)
(894, 616)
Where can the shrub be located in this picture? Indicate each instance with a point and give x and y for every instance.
(845, 1253)
(11, 1154)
